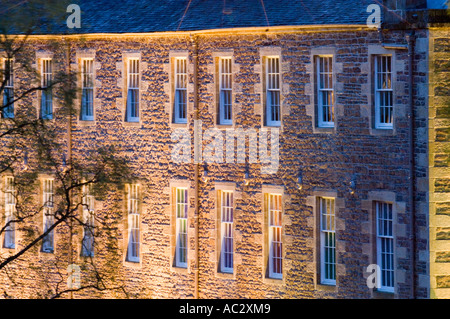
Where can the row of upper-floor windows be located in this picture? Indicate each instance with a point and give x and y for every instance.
(324, 90)
(225, 209)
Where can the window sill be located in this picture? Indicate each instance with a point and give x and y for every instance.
(383, 294)
(133, 120)
(324, 130)
(136, 261)
(275, 128)
(273, 280)
(326, 287)
(382, 131)
(180, 270)
(47, 119)
(225, 275)
(178, 125)
(273, 125)
(179, 122)
(328, 283)
(131, 124)
(47, 252)
(383, 127)
(326, 125)
(86, 122)
(224, 126)
(133, 264)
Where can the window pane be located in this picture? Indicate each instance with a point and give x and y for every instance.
(10, 205)
(275, 232)
(46, 96)
(325, 91)
(133, 104)
(180, 107)
(133, 91)
(87, 98)
(47, 241)
(273, 114)
(88, 220)
(226, 202)
(328, 240)
(46, 104)
(385, 243)
(383, 91)
(8, 90)
(87, 103)
(181, 226)
(225, 93)
(133, 222)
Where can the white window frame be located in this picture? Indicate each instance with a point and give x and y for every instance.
(133, 92)
(327, 240)
(275, 228)
(180, 94)
(225, 91)
(386, 90)
(385, 245)
(324, 64)
(8, 90)
(87, 87)
(181, 231)
(10, 210)
(48, 214)
(133, 251)
(273, 90)
(88, 201)
(46, 93)
(226, 231)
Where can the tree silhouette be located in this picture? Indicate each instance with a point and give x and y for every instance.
(32, 144)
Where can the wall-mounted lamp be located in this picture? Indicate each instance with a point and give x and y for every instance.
(246, 177)
(352, 186)
(205, 174)
(64, 163)
(25, 161)
(299, 181)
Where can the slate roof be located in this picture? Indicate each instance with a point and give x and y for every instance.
(136, 16)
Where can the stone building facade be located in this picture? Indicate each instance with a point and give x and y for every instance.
(302, 207)
(439, 163)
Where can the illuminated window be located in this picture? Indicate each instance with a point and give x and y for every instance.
(48, 213)
(46, 96)
(10, 207)
(132, 112)
(8, 89)
(383, 92)
(181, 207)
(180, 104)
(87, 95)
(325, 112)
(275, 230)
(327, 241)
(273, 92)
(88, 201)
(385, 245)
(133, 223)
(225, 102)
(226, 221)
